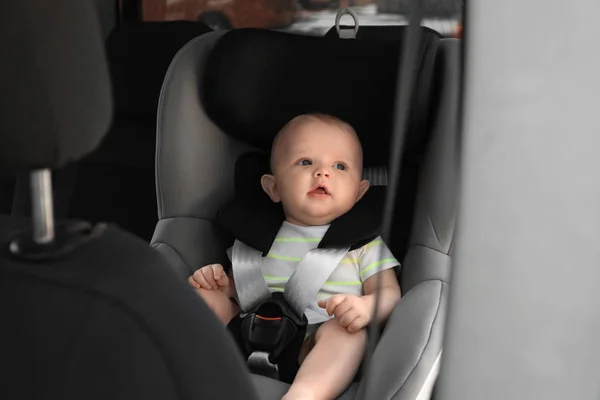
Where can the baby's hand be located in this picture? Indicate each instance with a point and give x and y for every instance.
(210, 277)
(352, 312)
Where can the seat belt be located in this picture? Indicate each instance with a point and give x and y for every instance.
(271, 327)
(302, 287)
(310, 276)
(250, 283)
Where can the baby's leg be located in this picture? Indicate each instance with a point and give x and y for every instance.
(220, 303)
(330, 366)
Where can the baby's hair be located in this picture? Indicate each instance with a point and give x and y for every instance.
(311, 117)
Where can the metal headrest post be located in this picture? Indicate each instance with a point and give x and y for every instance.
(42, 209)
(46, 240)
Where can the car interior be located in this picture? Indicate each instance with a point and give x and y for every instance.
(122, 142)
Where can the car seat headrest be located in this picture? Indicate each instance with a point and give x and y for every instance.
(139, 54)
(56, 104)
(257, 80)
(393, 33)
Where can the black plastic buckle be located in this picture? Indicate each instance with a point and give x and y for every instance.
(264, 332)
(271, 333)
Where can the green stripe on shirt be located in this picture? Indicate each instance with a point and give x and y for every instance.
(284, 258)
(330, 283)
(376, 264)
(298, 240)
(276, 278)
(343, 283)
(298, 259)
(373, 243)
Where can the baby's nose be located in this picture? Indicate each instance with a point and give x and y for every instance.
(322, 172)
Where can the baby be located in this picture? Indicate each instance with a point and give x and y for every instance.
(316, 161)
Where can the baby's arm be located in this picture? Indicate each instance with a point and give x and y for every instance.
(216, 276)
(389, 296)
(356, 312)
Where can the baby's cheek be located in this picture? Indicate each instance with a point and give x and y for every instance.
(347, 203)
(283, 192)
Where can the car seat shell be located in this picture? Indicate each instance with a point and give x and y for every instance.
(194, 172)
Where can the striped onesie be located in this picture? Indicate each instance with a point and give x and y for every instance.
(291, 245)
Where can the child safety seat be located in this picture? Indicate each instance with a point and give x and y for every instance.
(225, 96)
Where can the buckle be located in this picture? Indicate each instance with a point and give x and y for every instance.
(259, 364)
(271, 336)
(268, 318)
(265, 332)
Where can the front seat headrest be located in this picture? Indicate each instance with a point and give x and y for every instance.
(139, 54)
(56, 103)
(257, 80)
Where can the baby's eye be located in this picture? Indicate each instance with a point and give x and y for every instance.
(340, 166)
(305, 162)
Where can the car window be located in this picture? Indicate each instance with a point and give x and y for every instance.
(311, 17)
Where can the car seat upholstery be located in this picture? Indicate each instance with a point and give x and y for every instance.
(198, 140)
(409, 352)
(116, 182)
(226, 93)
(94, 313)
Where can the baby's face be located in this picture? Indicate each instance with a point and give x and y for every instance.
(317, 171)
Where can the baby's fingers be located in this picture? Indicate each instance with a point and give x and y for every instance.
(223, 281)
(348, 317)
(201, 280)
(342, 309)
(358, 324)
(209, 277)
(219, 275)
(193, 282)
(333, 302)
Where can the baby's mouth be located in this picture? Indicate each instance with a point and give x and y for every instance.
(319, 190)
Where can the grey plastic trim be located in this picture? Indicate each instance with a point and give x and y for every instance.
(429, 384)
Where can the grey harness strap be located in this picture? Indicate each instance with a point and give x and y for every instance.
(302, 287)
(247, 272)
(310, 276)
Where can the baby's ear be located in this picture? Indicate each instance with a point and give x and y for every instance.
(363, 186)
(268, 184)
